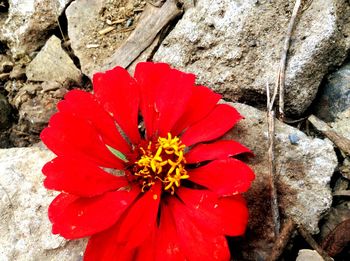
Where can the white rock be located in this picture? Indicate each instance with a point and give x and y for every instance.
(29, 22)
(25, 231)
(308, 255)
(235, 47)
(53, 64)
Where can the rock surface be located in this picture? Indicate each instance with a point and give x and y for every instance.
(29, 24)
(335, 95)
(308, 255)
(53, 64)
(342, 123)
(35, 103)
(35, 113)
(24, 227)
(235, 46)
(304, 171)
(87, 20)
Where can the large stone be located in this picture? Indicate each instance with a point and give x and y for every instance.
(53, 64)
(29, 24)
(304, 169)
(87, 21)
(342, 123)
(335, 95)
(235, 47)
(25, 231)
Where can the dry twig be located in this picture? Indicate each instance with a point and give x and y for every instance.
(282, 240)
(308, 238)
(271, 156)
(152, 21)
(280, 82)
(340, 141)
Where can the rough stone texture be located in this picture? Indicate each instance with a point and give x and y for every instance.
(35, 113)
(308, 255)
(29, 23)
(86, 18)
(304, 172)
(342, 123)
(235, 46)
(25, 231)
(335, 95)
(53, 64)
(5, 110)
(35, 103)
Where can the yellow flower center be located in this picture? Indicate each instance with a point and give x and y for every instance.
(164, 161)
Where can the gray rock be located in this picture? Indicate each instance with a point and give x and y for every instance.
(53, 64)
(304, 172)
(5, 111)
(342, 123)
(25, 231)
(50, 86)
(335, 95)
(29, 23)
(18, 72)
(35, 113)
(234, 47)
(86, 18)
(308, 255)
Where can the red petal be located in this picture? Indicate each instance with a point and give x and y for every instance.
(221, 149)
(165, 94)
(168, 246)
(74, 217)
(224, 177)
(234, 215)
(103, 246)
(147, 250)
(70, 136)
(202, 101)
(79, 177)
(195, 241)
(140, 219)
(149, 76)
(118, 92)
(203, 207)
(83, 104)
(224, 216)
(219, 121)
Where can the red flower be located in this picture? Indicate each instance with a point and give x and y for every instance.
(146, 193)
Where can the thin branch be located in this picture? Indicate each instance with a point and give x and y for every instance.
(308, 238)
(282, 240)
(283, 62)
(340, 141)
(271, 158)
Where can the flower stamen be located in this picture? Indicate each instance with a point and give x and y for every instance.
(167, 164)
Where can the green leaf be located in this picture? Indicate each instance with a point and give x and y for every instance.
(117, 153)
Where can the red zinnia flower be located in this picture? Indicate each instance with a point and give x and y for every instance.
(152, 192)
